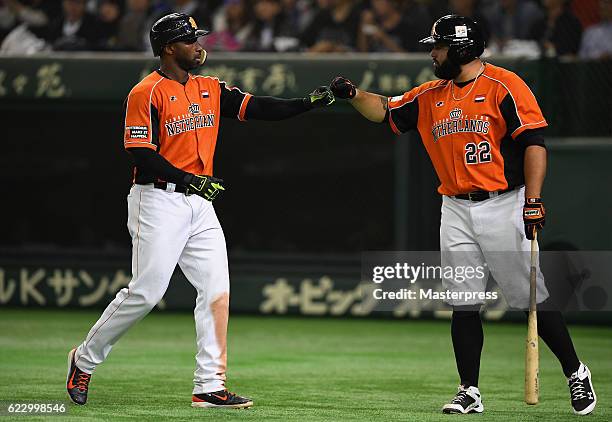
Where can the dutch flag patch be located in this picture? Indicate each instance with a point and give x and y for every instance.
(480, 99)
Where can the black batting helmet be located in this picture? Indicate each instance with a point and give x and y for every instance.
(462, 35)
(172, 28)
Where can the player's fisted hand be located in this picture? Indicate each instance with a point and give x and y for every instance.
(534, 216)
(207, 187)
(343, 88)
(320, 97)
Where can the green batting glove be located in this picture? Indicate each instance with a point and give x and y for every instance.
(207, 187)
(320, 97)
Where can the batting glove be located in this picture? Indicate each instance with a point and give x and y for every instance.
(320, 97)
(534, 216)
(343, 88)
(207, 187)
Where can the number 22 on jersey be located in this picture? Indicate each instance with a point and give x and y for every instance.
(478, 153)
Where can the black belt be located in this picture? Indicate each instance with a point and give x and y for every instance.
(168, 187)
(481, 195)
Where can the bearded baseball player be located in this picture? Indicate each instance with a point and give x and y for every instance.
(483, 130)
(172, 120)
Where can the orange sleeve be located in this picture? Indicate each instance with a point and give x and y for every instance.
(526, 109)
(139, 120)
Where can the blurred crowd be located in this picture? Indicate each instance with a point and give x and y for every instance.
(581, 28)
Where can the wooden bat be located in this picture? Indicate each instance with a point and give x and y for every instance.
(532, 357)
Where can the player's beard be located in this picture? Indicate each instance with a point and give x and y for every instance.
(188, 64)
(447, 70)
(191, 64)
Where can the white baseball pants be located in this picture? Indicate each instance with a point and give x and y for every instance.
(490, 234)
(169, 228)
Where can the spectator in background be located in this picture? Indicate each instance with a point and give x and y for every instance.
(109, 14)
(587, 12)
(512, 19)
(597, 40)
(470, 9)
(385, 29)
(32, 13)
(158, 8)
(334, 27)
(199, 10)
(298, 13)
(133, 32)
(417, 16)
(75, 29)
(231, 27)
(559, 31)
(268, 26)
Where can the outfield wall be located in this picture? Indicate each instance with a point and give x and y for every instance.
(307, 285)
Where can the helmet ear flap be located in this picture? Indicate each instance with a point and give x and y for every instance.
(463, 54)
(458, 54)
(453, 55)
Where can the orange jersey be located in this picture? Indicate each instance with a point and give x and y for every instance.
(472, 133)
(180, 122)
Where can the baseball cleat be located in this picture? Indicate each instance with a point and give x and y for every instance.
(77, 381)
(221, 398)
(581, 391)
(467, 400)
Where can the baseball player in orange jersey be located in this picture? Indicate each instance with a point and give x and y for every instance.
(171, 125)
(482, 128)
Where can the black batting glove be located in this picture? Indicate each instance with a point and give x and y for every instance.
(320, 97)
(207, 187)
(343, 88)
(534, 216)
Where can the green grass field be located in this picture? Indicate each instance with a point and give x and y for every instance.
(295, 369)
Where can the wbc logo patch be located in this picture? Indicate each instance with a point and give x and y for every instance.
(455, 113)
(461, 31)
(194, 108)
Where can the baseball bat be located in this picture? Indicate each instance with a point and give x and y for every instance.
(532, 358)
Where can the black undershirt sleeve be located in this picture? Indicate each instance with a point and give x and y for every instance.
(151, 162)
(532, 137)
(272, 108)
